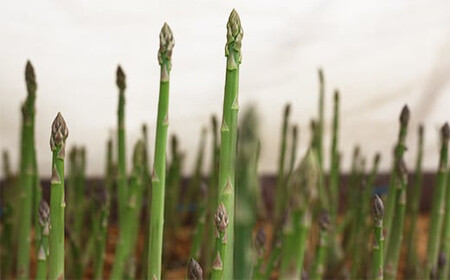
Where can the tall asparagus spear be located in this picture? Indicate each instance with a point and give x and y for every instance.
(57, 204)
(334, 164)
(122, 186)
(222, 267)
(281, 180)
(102, 227)
(413, 210)
(26, 174)
(318, 268)
(445, 242)
(320, 124)
(128, 234)
(396, 234)
(159, 167)
(42, 255)
(399, 150)
(437, 208)
(377, 247)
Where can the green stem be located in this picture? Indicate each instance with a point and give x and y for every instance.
(413, 204)
(377, 247)
(396, 234)
(26, 175)
(438, 207)
(57, 203)
(399, 150)
(128, 235)
(159, 167)
(43, 252)
(281, 180)
(320, 124)
(223, 263)
(318, 268)
(122, 186)
(445, 242)
(334, 168)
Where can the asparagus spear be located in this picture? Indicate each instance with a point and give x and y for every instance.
(57, 204)
(445, 243)
(42, 255)
(320, 124)
(223, 263)
(194, 270)
(319, 263)
(102, 227)
(122, 186)
(437, 208)
(259, 252)
(147, 196)
(334, 171)
(396, 234)
(246, 192)
(159, 167)
(399, 150)
(201, 220)
(377, 247)
(281, 180)
(26, 174)
(128, 235)
(412, 265)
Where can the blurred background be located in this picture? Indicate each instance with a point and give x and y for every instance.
(380, 55)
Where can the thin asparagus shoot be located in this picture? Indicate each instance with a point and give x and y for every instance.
(57, 203)
(378, 243)
(438, 207)
(166, 45)
(223, 263)
(194, 270)
(42, 255)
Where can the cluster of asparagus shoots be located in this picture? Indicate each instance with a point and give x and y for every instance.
(234, 237)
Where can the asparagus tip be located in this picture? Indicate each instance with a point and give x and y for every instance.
(336, 95)
(377, 157)
(214, 122)
(287, 110)
(166, 44)
(404, 115)
(120, 78)
(59, 131)
(29, 73)
(234, 40)
(445, 131)
(221, 218)
(194, 270)
(324, 220)
(377, 207)
(321, 78)
(260, 240)
(421, 130)
(44, 213)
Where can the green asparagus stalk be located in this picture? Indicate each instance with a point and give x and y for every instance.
(222, 267)
(9, 216)
(246, 192)
(396, 234)
(304, 194)
(142, 272)
(212, 193)
(438, 207)
(378, 243)
(413, 210)
(159, 167)
(26, 174)
(201, 220)
(128, 235)
(392, 198)
(43, 253)
(122, 185)
(173, 186)
(281, 180)
(318, 268)
(57, 204)
(293, 149)
(102, 226)
(259, 252)
(194, 270)
(445, 242)
(320, 124)
(334, 164)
